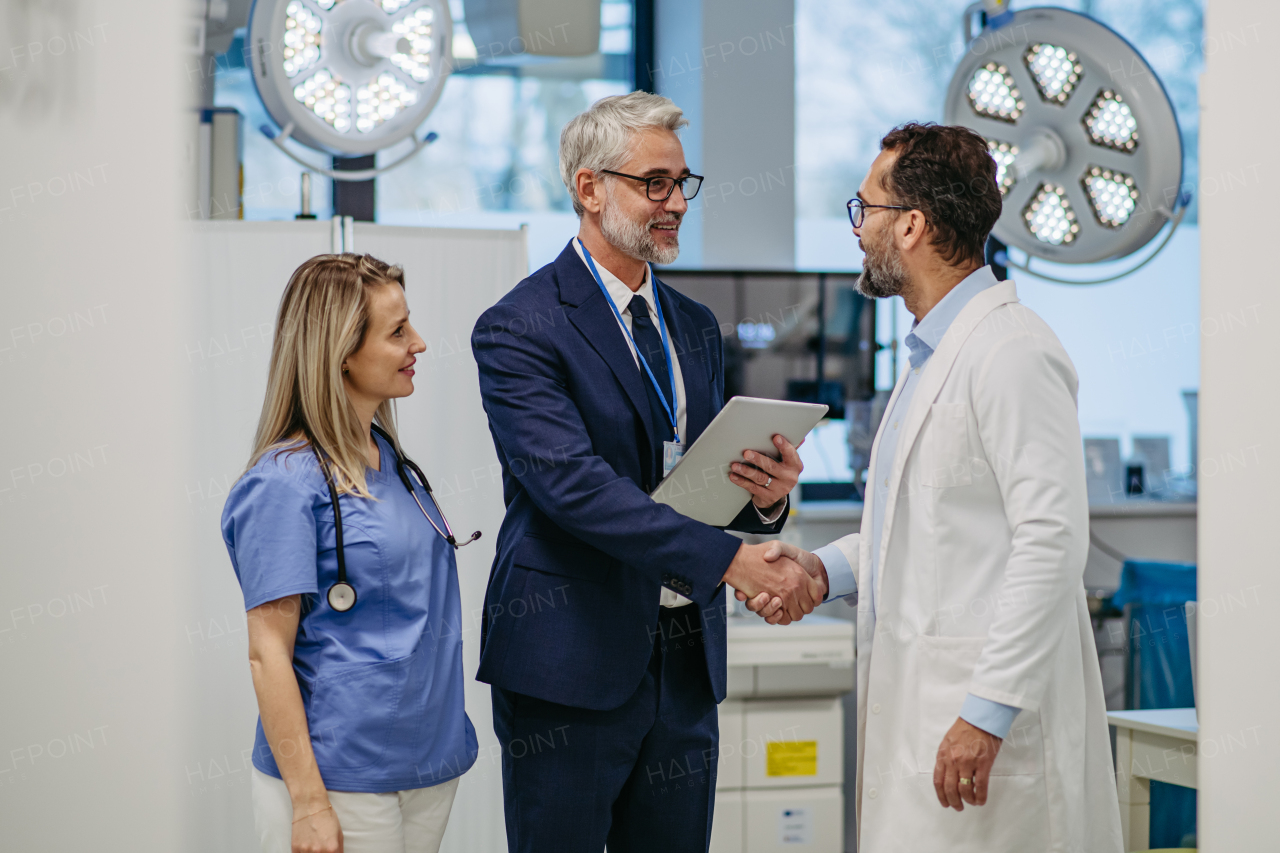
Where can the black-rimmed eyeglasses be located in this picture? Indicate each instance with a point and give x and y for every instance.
(858, 210)
(661, 187)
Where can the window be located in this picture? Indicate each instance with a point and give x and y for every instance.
(496, 163)
(864, 67)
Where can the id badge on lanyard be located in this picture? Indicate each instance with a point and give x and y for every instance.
(672, 452)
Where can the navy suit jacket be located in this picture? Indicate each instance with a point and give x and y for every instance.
(571, 610)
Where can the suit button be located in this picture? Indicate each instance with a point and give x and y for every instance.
(875, 709)
(873, 793)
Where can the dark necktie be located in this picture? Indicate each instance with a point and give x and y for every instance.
(649, 342)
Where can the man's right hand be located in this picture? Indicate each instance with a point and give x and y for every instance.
(770, 607)
(780, 579)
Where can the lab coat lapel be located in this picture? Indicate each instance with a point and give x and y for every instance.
(932, 377)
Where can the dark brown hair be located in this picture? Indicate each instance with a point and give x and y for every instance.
(947, 173)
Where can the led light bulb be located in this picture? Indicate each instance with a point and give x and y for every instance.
(1004, 154)
(393, 6)
(1114, 195)
(381, 100)
(302, 29)
(993, 93)
(328, 97)
(1055, 70)
(1049, 216)
(416, 27)
(1110, 122)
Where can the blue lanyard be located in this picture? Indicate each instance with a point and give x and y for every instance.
(662, 329)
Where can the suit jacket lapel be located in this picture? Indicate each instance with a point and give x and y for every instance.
(595, 319)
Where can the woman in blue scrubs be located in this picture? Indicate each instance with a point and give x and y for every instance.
(362, 735)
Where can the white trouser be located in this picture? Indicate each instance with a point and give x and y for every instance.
(399, 822)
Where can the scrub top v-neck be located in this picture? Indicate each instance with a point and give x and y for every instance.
(382, 683)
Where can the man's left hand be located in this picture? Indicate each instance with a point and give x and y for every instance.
(966, 753)
(769, 481)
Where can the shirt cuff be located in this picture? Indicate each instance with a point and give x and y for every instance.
(992, 717)
(773, 516)
(840, 578)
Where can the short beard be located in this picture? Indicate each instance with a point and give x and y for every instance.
(633, 238)
(883, 274)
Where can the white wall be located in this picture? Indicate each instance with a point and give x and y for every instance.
(1239, 417)
(95, 428)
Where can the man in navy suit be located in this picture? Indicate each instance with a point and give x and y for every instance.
(604, 628)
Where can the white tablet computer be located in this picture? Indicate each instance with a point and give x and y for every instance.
(699, 485)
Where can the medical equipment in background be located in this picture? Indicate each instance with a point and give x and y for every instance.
(349, 78)
(214, 165)
(1085, 139)
(781, 763)
(342, 595)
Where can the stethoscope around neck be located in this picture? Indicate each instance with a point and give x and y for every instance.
(342, 595)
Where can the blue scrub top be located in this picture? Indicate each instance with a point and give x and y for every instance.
(382, 682)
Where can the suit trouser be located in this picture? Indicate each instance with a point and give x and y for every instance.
(640, 777)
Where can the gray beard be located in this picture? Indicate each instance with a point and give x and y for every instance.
(883, 274)
(633, 238)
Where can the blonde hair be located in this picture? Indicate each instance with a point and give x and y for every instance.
(323, 319)
(604, 136)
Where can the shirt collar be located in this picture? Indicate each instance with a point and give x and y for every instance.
(617, 290)
(926, 334)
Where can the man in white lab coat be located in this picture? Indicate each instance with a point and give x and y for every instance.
(978, 680)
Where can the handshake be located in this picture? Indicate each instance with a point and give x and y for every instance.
(777, 581)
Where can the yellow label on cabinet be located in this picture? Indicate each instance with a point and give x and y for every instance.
(791, 758)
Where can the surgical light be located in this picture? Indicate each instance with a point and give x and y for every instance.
(1005, 155)
(1050, 217)
(992, 92)
(1114, 149)
(1055, 70)
(1111, 123)
(1113, 194)
(349, 77)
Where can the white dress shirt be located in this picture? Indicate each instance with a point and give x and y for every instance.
(622, 296)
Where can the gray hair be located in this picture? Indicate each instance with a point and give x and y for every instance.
(603, 137)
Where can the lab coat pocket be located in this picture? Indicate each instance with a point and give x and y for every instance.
(946, 457)
(946, 668)
(353, 711)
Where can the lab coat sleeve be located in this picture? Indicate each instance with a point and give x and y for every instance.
(1024, 398)
(840, 559)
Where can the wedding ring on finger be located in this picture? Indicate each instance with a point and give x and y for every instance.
(964, 781)
(767, 482)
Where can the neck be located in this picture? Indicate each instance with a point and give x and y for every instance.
(365, 410)
(629, 270)
(929, 287)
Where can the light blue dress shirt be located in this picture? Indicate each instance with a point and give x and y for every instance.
(992, 717)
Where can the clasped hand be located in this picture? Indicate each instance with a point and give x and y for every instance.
(778, 581)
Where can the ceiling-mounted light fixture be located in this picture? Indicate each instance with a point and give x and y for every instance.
(349, 77)
(1087, 147)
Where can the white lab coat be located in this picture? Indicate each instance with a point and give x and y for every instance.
(980, 590)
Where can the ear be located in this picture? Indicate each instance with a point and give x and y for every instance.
(590, 190)
(911, 229)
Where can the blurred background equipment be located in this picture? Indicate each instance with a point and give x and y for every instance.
(1084, 136)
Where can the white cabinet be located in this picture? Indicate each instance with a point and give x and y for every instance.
(780, 784)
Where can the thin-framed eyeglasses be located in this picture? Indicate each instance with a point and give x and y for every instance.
(661, 187)
(858, 210)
